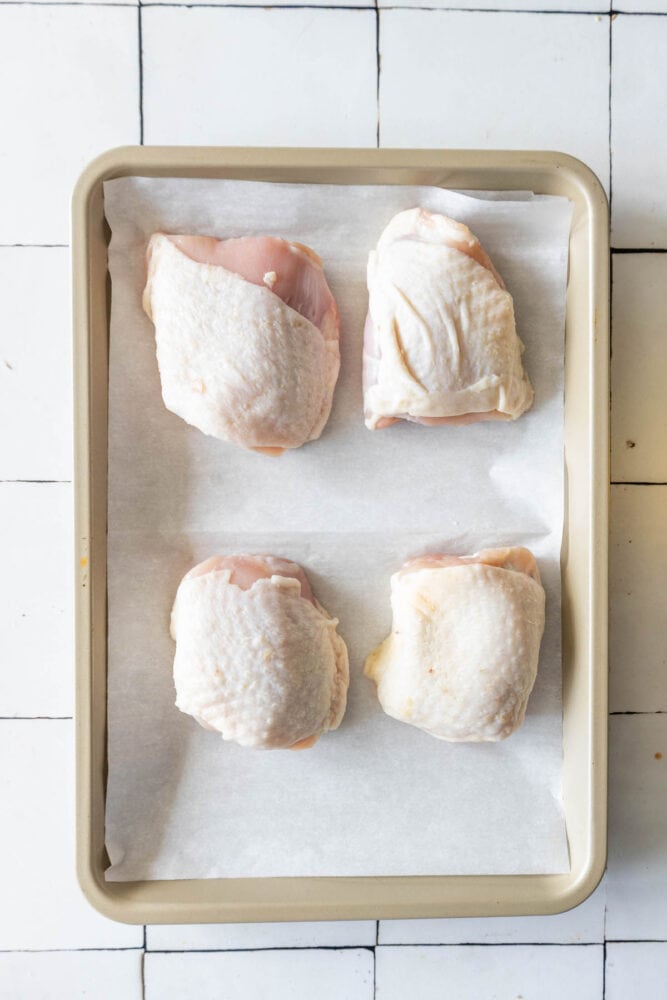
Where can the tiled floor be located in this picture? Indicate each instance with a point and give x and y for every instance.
(79, 78)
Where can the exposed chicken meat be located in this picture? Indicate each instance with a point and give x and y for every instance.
(258, 659)
(440, 344)
(247, 337)
(461, 659)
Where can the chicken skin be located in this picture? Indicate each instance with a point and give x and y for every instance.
(247, 337)
(258, 659)
(461, 659)
(440, 343)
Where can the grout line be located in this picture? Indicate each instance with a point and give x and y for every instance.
(38, 482)
(495, 944)
(362, 947)
(414, 944)
(636, 941)
(377, 932)
(657, 711)
(622, 482)
(426, 8)
(277, 947)
(499, 10)
(35, 718)
(332, 6)
(616, 250)
(260, 7)
(140, 33)
(378, 66)
(604, 970)
(375, 959)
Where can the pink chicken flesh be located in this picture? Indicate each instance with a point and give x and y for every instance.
(247, 570)
(515, 558)
(299, 279)
(293, 273)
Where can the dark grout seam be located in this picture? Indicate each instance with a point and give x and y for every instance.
(378, 68)
(243, 951)
(414, 944)
(657, 711)
(249, 6)
(332, 6)
(496, 944)
(365, 947)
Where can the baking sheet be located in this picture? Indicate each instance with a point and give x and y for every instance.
(376, 797)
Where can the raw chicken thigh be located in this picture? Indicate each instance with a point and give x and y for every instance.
(258, 659)
(440, 344)
(461, 659)
(247, 337)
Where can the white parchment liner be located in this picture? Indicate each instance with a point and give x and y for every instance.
(376, 797)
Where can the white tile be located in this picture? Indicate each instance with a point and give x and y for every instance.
(637, 588)
(539, 5)
(221, 937)
(639, 368)
(42, 905)
(477, 973)
(638, 142)
(641, 6)
(123, 3)
(582, 925)
(35, 364)
(637, 867)
(260, 975)
(36, 642)
(636, 970)
(70, 975)
(274, 3)
(276, 77)
(496, 80)
(73, 75)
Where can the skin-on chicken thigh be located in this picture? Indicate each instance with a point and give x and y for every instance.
(258, 659)
(440, 343)
(461, 659)
(247, 336)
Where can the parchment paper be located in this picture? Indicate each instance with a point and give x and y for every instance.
(377, 797)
